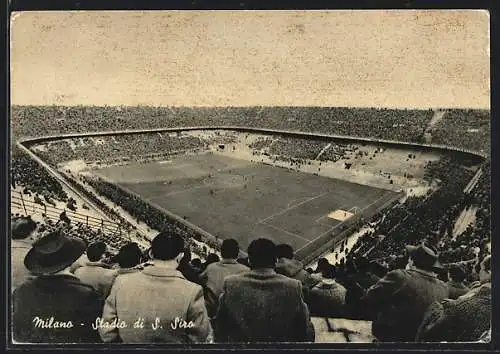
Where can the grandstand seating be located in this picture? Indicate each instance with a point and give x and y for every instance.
(429, 218)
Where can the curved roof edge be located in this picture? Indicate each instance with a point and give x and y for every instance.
(447, 148)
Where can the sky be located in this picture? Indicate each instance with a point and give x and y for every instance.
(405, 59)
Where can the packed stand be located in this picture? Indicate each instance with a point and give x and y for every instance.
(119, 296)
(108, 149)
(391, 124)
(34, 178)
(424, 217)
(472, 128)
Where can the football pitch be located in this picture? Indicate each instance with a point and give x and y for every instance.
(234, 198)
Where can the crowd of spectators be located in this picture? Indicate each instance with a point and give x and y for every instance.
(107, 149)
(472, 128)
(390, 124)
(301, 149)
(117, 296)
(431, 218)
(34, 179)
(454, 270)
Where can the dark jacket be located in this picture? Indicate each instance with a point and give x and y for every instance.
(400, 300)
(19, 249)
(189, 272)
(456, 289)
(262, 306)
(61, 297)
(293, 268)
(461, 320)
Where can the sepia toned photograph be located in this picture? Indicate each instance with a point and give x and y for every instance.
(246, 177)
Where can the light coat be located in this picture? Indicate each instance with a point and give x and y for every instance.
(156, 292)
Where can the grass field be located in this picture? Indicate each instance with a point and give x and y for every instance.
(233, 198)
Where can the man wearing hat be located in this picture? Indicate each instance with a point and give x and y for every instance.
(23, 231)
(55, 306)
(401, 298)
(464, 319)
(157, 304)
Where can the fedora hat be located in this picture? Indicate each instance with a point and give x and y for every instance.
(53, 253)
(425, 253)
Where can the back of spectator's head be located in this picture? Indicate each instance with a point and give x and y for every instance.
(262, 253)
(212, 258)
(22, 227)
(230, 249)
(187, 255)
(129, 255)
(167, 246)
(284, 251)
(456, 273)
(196, 262)
(326, 269)
(95, 251)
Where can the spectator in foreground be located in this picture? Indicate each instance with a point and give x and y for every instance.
(96, 273)
(456, 284)
(55, 296)
(187, 269)
(23, 231)
(213, 277)
(211, 258)
(261, 305)
(465, 319)
(196, 264)
(325, 268)
(128, 258)
(327, 298)
(401, 298)
(292, 268)
(158, 293)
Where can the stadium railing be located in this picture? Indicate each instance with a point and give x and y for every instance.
(30, 207)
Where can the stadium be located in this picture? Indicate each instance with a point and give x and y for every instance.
(250, 178)
(350, 186)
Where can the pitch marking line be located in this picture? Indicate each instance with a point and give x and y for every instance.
(333, 228)
(287, 232)
(292, 207)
